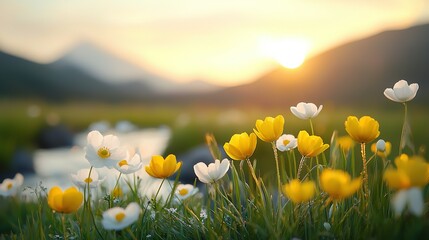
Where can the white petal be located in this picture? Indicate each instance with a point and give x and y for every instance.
(415, 201)
(400, 84)
(414, 87)
(310, 110)
(133, 211)
(200, 170)
(224, 167)
(111, 141)
(318, 111)
(399, 201)
(19, 179)
(213, 171)
(296, 112)
(94, 138)
(403, 93)
(390, 94)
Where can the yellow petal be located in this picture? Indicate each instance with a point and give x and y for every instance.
(53, 193)
(169, 166)
(72, 200)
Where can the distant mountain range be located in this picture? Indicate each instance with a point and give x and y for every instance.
(353, 73)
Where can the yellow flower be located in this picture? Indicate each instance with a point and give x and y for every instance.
(299, 192)
(310, 146)
(363, 130)
(160, 168)
(382, 154)
(270, 129)
(411, 172)
(338, 184)
(345, 143)
(241, 146)
(65, 202)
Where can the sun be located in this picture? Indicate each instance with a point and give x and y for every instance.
(289, 52)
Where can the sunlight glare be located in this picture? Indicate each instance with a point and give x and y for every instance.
(289, 52)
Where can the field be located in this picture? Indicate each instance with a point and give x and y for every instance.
(239, 206)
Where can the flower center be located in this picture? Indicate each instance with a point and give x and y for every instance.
(122, 163)
(88, 180)
(119, 217)
(117, 192)
(9, 186)
(286, 142)
(183, 191)
(103, 152)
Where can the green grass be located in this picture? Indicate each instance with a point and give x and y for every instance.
(236, 208)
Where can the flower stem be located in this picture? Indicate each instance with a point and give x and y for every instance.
(402, 141)
(114, 188)
(157, 192)
(364, 171)
(252, 172)
(311, 126)
(64, 227)
(276, 157)
(131, 234)
(301, 164)
(89, 205)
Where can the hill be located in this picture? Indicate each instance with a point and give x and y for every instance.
(355, 73)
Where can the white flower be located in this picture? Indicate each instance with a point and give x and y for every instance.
(82, 178)
(306, 110)
(203, 214)
(103, 151)
(380, 145)
(286, 142)
(127, 165)
(212, 172)
(118, 218)
(402, 92)
(183, 191)
(9, 187)
(171, 210)
(412, 197)
(327, 226)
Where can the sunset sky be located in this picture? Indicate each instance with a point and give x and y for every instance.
(226, 42)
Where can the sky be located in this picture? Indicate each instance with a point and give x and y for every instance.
(220, 41)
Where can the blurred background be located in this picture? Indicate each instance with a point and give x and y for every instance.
(175, 70)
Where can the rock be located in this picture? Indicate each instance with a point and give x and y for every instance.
(55, 137)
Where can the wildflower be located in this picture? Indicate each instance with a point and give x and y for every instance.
(127, 165)
(382, 148)
(9, 187)
(118, 218)
(286, 142)
(411, 175)
(306, 110)
(82, 178)
(338, 184)
(163, 168)
(241, 146)
(65, 202)
(310, 146)
(212, 172)
(171, 210)
(345, 143)
(184, 191)
(103, 151)
(402, 92)
(299, 192)
(117, 192)
(363, 130)
(203, 214)
(270, 129)
(327, 226)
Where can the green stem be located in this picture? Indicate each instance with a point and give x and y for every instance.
(364, 172)
(114, 188)
(301, 164)
(276, 157)
(64, 227)
(402, 141)
(131, 234)
(89, 205)
(157, 192)
(311, 126)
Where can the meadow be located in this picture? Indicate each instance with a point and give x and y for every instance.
(246, 203)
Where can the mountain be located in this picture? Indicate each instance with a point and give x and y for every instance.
(21, 78)
(106, 66)
(355, 73)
